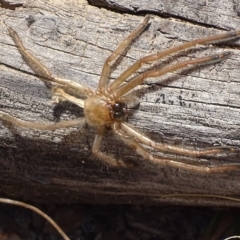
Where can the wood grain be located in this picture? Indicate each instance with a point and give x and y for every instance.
(197, 107)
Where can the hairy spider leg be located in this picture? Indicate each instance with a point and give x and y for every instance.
(157, 56)
(60, 95)
(42, 70)
(140, 137)
(101, 155)
(104, 79)
(123, 89)
(41, 126)
(134, 144)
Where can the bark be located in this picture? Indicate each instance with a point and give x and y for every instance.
(196, 108)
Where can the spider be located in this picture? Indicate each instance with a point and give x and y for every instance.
(106, 107)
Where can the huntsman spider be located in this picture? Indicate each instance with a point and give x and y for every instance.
(106, 107)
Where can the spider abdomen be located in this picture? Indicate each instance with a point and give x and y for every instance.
(97, 111)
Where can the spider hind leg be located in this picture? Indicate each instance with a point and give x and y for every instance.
(138, 141)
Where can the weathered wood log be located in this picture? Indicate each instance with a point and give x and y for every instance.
(196, 108)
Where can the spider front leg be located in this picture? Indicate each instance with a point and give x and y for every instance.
(104, 79)
(157, 56)
(134, 143)
(125, 88)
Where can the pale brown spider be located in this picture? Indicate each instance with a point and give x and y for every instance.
(106, 107)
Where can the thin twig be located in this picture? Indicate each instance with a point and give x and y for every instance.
(25, 205)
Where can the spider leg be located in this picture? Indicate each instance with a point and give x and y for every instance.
(103, 156)
(42, 70)
(40, 126)
(123, 89)
(60, 95)
(154, 57)
(104, 79)
(134, 144)
(140, 137)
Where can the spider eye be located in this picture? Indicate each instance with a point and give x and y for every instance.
(118, 110)
(118, 106)
(118, 114)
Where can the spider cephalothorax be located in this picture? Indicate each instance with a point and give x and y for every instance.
(105, 109)
(101, 110)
